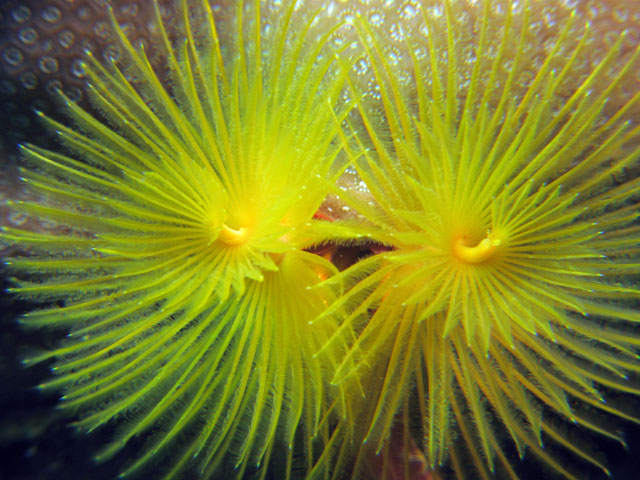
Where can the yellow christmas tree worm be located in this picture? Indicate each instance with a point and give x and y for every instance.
(510, 289)
(182, 277)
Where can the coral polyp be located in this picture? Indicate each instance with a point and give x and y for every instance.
(179, 267)
(508, 292)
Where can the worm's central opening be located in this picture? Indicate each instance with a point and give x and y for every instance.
(478, 254)
(231, 236)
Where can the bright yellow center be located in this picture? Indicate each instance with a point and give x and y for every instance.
(231, 236)
(478, 254)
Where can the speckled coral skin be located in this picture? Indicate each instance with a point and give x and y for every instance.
(42, 42)
(42, 47)
(42, 50)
